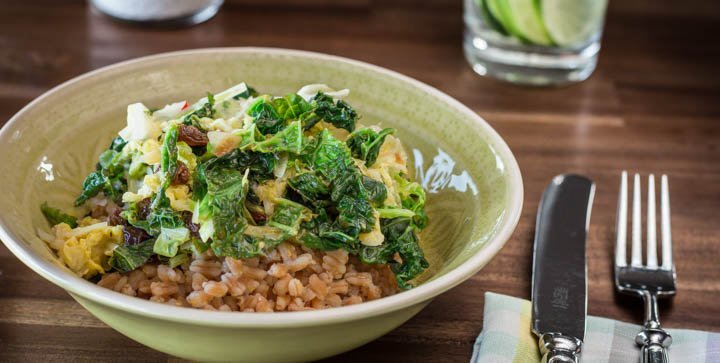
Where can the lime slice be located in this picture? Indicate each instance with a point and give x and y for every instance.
(491, 21)
(500, 10)
(571, 22)
(526, 19)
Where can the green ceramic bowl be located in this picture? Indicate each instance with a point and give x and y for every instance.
(473, 181)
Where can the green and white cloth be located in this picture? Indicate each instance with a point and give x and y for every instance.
(506, 337)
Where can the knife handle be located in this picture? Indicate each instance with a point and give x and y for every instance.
(654, 343)
(558, 348)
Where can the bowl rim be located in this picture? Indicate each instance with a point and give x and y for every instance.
(79, 287)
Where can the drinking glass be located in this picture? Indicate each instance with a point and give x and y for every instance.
(536, 42)
(159, 12)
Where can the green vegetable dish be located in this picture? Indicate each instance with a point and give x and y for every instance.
(247, 202)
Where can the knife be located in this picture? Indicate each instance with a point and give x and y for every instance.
(559, 281)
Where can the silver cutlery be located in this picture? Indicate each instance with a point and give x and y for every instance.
(656, 278)
(559, 281)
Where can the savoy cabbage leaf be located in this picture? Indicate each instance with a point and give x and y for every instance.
(267, 119)
(55, 216)
(400, 239)
(365, 144)
(126, 258)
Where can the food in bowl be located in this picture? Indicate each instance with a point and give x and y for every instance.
(54, 140)
(248, 202)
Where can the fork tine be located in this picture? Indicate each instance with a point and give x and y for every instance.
(665, 223)
(636, 256)
(621, 223)
(652, 261)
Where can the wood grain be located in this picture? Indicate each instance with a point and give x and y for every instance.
(652, 106)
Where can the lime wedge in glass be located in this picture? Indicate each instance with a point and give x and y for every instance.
(572, 22)
(490, 20)
(500, 10)
(525, 15)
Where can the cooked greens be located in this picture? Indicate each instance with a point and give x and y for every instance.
(55, 216)
(127, 257)
(365, 144)
(267, 120)
(206, 110)
(220, 212)
(240, 172)
(169, 241)
(109, 176)
(338, 113)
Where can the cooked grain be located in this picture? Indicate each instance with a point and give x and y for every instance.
(289, 278)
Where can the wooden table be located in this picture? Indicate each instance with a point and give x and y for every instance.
(653, 105)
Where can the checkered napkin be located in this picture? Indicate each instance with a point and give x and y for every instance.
(506, 337)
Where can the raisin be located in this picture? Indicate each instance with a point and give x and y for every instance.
(182, 175)
(194, 228)
(192, 136)
(133, 236)
(114, 219)
(143, 208)
(258, 217)
(97, 211)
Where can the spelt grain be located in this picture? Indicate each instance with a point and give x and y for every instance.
(289, 278)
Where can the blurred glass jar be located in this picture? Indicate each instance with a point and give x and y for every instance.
(537, 42)
(160, 12)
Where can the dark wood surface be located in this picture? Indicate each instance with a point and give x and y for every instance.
(653, 105)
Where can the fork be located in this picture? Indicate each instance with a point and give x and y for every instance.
(652, 280)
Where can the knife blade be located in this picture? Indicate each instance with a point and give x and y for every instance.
(559, 281)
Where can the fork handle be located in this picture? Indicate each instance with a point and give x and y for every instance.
(654, 343)
(653, 339)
